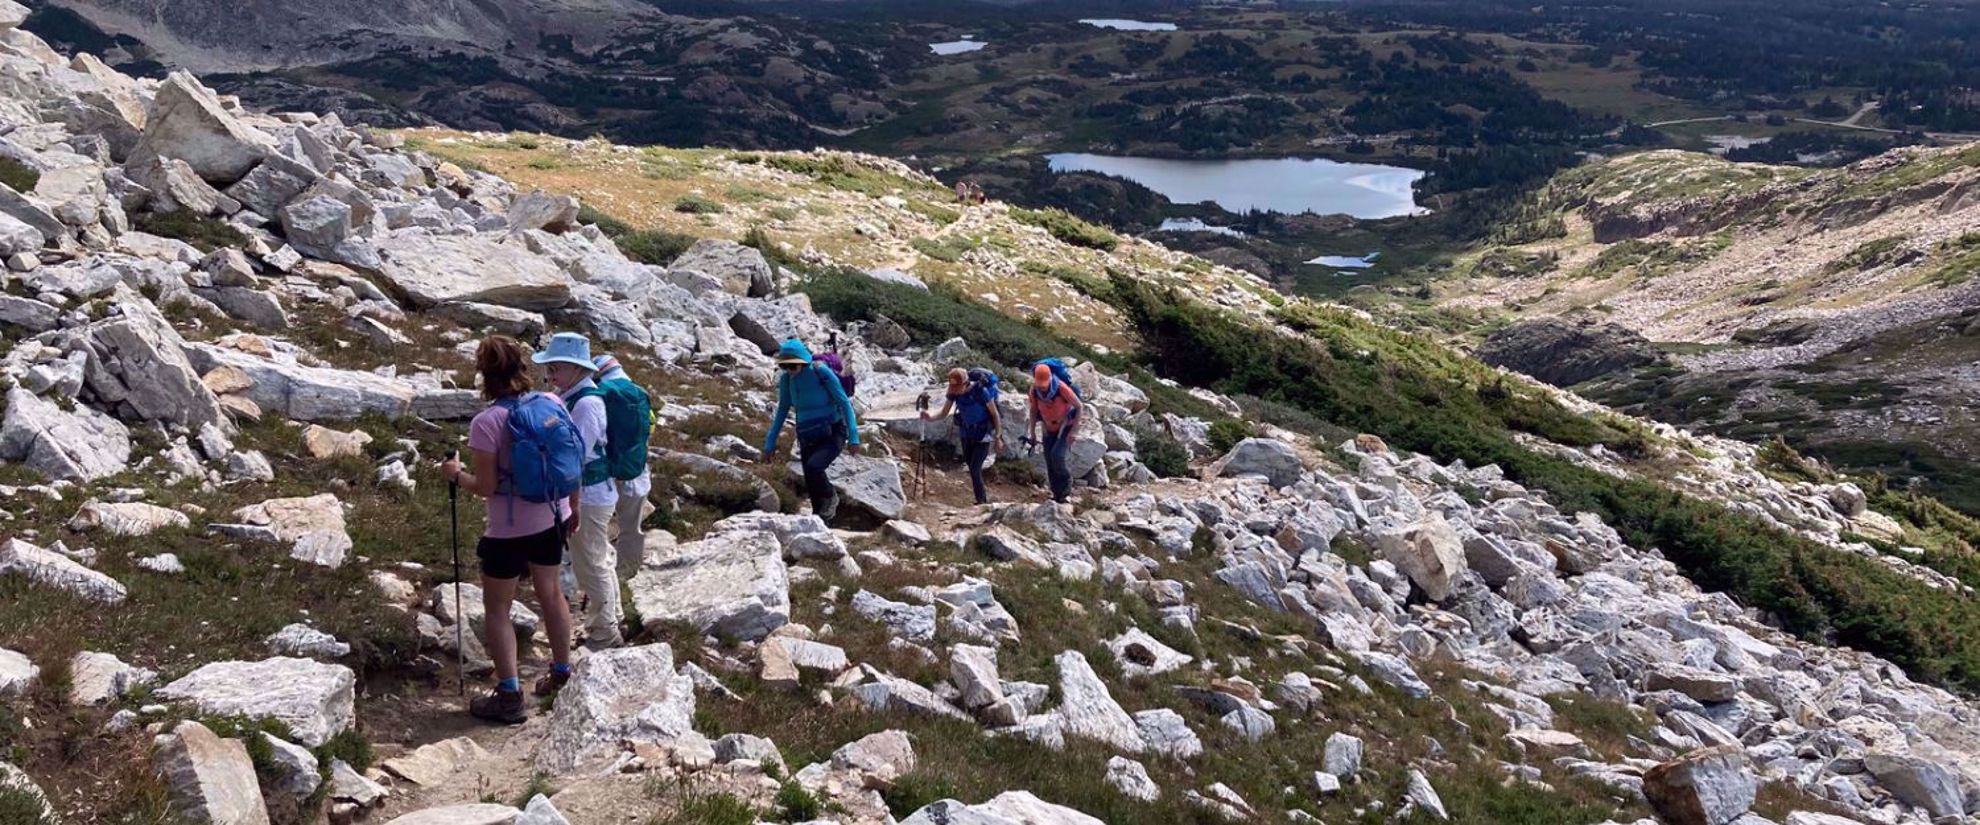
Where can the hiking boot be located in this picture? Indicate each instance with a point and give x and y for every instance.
(831, 510)
(500, 706)
(549, 683)
(606, 642)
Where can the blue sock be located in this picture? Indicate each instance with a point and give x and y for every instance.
(561, 669)
(509, 685)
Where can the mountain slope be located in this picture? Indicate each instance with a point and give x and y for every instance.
(268, 34)
(225, 583)
(1832, 307)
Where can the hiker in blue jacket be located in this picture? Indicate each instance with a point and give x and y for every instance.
(825, 421)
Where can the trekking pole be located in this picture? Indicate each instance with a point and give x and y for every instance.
(460, 615)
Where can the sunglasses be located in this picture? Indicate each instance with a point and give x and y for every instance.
(791, 367)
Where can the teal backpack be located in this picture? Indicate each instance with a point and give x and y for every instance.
(628, 426)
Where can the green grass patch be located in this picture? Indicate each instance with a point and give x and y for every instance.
(705, 808)
(846, 173)
(1955, 260)
(940, 312)
(19, 177)
(18, 807)
(949, 248)
(658, 247)
(698, 205)
(203, 232)
(1650, 259)
(1064, 226)
(1870, 255)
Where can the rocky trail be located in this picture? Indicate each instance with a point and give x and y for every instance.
(236, 343)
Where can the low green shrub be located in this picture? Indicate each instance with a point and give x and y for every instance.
(19, 806)
(795, 804)
(698, 205)
(18, 176)
(949, 248)
(611, 226)
(710, 809)
(1068, 228)
(204, 233)
(350, 746)
(1161, 453)
(658, 247)
(1226, 434)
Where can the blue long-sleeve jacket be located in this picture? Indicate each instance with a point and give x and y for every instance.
(814, 391)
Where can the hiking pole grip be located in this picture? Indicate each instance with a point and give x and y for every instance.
(460, 612)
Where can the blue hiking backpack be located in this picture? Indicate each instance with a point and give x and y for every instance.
(546, 454)
(1064, 375)
(973, 419)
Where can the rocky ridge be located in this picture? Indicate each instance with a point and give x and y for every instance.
(1281, 593)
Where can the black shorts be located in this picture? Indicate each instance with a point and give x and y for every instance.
(511, 558)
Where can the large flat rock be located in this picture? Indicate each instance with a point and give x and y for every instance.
(427, 270)
(314, 699)
(79, 445)
(733, 584)
(51, 569)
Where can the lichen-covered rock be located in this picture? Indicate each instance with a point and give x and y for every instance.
(51, 569)
(211, 779)
(186, 122)
(126, 518)
(1711, 786)
(80, 444)
(1268, 457)
(625, 696)
(1920, 782)
(1089, 711)
(428, 270)
(1428, 551)
(138, 366)
(741, 270)
(732, 583)
(314, 699)
(95, 678)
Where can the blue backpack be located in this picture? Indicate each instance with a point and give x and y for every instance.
(1064, 375)
(546, 454)
(973, 406)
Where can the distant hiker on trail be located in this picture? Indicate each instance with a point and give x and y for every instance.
(1055, 406)
(826, 422)
(609, 415)
(962, 191)
(973, 395)
(527, 524)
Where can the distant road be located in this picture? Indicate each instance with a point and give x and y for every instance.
(1662, 123)
(1854, 121)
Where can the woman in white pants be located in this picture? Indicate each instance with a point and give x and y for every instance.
(593, 560)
